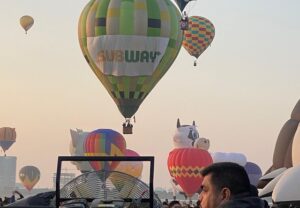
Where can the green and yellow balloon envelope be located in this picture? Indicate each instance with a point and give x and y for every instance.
(130, 45)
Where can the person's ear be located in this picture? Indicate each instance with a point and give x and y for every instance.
(225, 193)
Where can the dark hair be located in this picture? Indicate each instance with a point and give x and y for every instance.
(172, 203)
(165, 203)
(230, 175)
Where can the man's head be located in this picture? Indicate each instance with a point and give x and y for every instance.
(174, 204)
(221, 182)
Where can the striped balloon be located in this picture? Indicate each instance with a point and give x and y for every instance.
(130, 45)
(104, 142)
(199, 36)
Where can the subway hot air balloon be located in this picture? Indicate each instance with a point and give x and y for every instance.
(104, 142)
(129, 46)
(185, 164)
(199, 36)
(7, 137)
(29, 176)
(26, 22)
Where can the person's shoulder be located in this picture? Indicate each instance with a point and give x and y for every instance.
(246, 202)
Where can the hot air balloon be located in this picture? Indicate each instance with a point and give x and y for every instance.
(176, 188)
(104, 142)
(287, 144)
(254, 172)
(267, 178)
(129, 45)
(185, 164)
(234, 157)
(26, 22)
(268, 189)
(29, 176)
(199, 36)
(77, 149)
(185, 135)
(7, 137)
(286, 191)
(133, 168)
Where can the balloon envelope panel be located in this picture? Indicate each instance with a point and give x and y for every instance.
(104, 142)
(133, 168)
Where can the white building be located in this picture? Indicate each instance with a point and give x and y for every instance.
(7, 175)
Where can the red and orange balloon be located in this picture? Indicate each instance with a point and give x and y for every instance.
(185, 164)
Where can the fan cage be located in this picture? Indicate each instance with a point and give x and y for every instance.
(107, 185)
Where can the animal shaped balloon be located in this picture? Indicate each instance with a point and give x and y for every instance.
(202, 143)
(77, 142)
(104, 142)
(199, 36)
(288, 143)
(185, 164)
(7, 137)
(286, 191)
(29, 176)
(26, 22)
(129, 45)
(185, 135)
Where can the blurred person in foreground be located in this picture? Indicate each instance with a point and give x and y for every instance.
(226, 185)
(175, 204)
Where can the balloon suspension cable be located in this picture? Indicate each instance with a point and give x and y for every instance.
(134, 119)
(195, 63)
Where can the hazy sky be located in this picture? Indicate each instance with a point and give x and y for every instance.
(240, 94)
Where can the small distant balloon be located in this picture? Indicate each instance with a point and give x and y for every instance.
(26, 22)
(7, 137)
(199, 36)
(29, 176)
